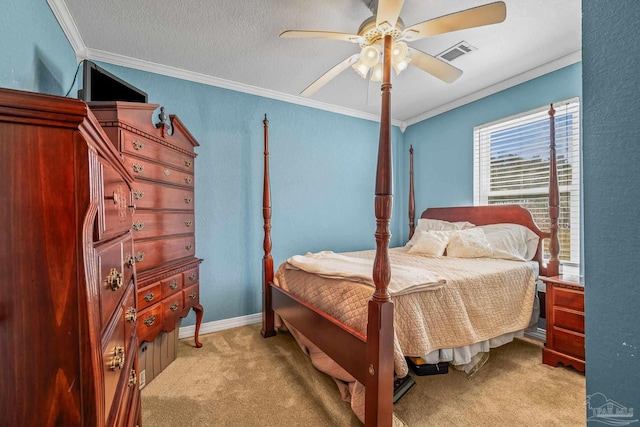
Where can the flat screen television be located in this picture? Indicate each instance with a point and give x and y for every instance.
(100, 85)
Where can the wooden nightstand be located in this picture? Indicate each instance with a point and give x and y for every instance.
(565, 321)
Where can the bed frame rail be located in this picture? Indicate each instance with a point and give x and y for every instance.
(338, 341)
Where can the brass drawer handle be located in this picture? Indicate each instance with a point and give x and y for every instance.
(173, 285)
(150, 320)
(187, 199)
(131, 315)
(188, 246)
(139, 256)
(137, 145)
(193, 295)
(188, 222)
(138, 194)
(133, 378)
(114, 279)
(187, 163)
(174, 306)
(129, 261)
(118, 359)
(149, 296)
(166, 172)
(137, 167)
(187, 180)
(192, 276)
(138, 225)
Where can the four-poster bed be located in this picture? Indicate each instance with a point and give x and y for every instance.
(367, 348)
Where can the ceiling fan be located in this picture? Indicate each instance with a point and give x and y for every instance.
(386, 20)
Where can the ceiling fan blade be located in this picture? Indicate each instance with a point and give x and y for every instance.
(310, 34)
(326, 77)
(488, 14)
(388, 11)
(434, 66)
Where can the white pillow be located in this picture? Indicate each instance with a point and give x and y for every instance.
(431, 243)
(425, 225)
(511, 241)
(471, 243)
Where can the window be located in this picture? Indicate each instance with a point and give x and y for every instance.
(511, 166)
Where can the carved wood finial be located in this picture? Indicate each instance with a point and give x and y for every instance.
(164, 123)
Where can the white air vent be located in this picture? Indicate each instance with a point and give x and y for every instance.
(456, 51)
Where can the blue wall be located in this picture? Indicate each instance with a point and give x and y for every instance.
(443, 145)
(35, 54)
(611, 129)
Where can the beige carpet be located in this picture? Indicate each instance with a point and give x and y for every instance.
(240, 379)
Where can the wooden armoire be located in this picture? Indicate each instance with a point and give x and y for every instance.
(68, 329)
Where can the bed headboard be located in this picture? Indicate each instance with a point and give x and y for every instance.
(493, 214)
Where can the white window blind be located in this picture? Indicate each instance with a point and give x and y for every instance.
(511, 166)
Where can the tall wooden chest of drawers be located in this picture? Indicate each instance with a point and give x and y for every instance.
(160, 156)
(68, 325)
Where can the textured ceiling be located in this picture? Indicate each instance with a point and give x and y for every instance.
(237, 41)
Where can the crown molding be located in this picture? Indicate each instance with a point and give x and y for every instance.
(166, 70)
(68, 25)
(570, 59)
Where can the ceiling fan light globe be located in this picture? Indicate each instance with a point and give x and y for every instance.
(376, 74)
(401, 66)
(361, 69)
(370, 55)
(399, 52)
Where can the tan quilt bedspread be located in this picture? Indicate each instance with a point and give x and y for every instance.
(482, 299)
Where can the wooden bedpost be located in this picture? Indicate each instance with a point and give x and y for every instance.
(412, 197)
(268, 328)
(553, 266)
(379, 384)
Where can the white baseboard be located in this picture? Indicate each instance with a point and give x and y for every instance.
(220, 325)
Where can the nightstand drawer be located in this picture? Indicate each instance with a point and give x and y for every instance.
(568, 319)
(569, 298)
(568, 342)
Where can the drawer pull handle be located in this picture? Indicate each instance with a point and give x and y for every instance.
(174, 306)
(187, 180)
(133, 378)
(166, 172)
(129, 261)
(138, 225)
(150, 320)
(193, 295)
(173, 285)
(115, 198)
(138, 194)
(188, 222)
(187, 199)
(188, 246)
(118, 359)
(192, 276)
(114, 279)
(132, 315)
(149, 297)
(137, 145)
(139, 256)
(137, 167)
(187, 163)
